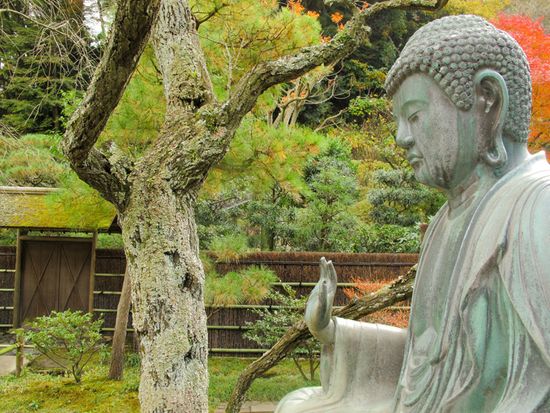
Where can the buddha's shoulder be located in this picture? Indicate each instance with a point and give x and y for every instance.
(530, 178)
(521, 199)
(531, 203)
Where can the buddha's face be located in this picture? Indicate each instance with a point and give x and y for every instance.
(439, 138)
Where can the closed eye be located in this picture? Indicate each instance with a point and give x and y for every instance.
(414, 117)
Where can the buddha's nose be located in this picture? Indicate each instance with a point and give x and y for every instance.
(404, 139)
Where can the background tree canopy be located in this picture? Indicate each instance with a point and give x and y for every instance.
(313, 166)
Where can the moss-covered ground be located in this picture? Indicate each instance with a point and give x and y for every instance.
(36, 392)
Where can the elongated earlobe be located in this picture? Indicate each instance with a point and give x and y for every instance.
(496, 156)
(492, 103)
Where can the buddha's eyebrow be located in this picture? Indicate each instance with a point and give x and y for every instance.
(413, 104)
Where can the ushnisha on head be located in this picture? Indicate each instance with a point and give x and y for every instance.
(451, 50)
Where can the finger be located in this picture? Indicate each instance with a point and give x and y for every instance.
(331, 275)
(323, 300)
(323, 266)
(323, 292)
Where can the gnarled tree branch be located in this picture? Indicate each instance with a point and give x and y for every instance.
(129, 34)
(185, 77)
(287, 68)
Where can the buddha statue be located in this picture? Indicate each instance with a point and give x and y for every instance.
(479, 333)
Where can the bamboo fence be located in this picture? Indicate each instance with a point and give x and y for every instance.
(225, 325)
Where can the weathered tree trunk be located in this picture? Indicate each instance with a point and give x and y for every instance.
(159, 231)
(167, 279)
(116, 368)
(399, 290)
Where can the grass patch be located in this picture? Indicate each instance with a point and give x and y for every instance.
(277, 382)
(34, 392)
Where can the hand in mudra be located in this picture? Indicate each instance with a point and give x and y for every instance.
(319, 306)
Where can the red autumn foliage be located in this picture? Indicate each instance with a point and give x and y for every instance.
(535, 42)
(363, 287)
(390, 316)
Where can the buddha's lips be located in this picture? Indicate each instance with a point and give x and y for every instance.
(414, 159)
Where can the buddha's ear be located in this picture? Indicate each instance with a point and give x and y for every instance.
(491, 106)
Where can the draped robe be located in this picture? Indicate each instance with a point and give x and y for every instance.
(479, 335)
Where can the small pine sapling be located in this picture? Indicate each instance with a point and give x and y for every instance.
(273, 322)
(248, 286)
(68, 338)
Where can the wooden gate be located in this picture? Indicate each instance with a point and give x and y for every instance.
(55, 275)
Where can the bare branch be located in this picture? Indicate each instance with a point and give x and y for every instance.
(210, 14)
(267, 74)
(325, 121)
(129, 34)
(62, 43)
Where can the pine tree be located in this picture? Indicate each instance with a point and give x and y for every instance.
(41, 58)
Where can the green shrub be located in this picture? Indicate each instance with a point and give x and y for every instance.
(229, 247)
(273, 323)
(8, 236)
(256, 283)
(325, 221)
(68, 338)
(223, 290)
(397, 198)
(110, 241)
(365, 106)
(387, 238)
(249, 286)
(132, 360)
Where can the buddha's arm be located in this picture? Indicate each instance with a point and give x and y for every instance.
(374, 352)
(378, 348)
(360, 362)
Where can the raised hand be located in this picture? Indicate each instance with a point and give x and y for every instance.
(319, 306)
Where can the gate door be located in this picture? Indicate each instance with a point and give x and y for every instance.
(55, 275)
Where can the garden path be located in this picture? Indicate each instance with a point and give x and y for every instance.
(7, 365)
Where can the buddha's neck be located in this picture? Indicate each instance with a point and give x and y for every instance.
(482, 178)
(473, 187)
(517, 154)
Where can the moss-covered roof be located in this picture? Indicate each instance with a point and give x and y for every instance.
(45, 208)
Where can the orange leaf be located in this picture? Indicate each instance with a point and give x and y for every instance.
(296, 6)
(336, 17)
(313, 14)
(536, 44)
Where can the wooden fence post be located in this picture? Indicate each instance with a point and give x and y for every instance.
(19, 354)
